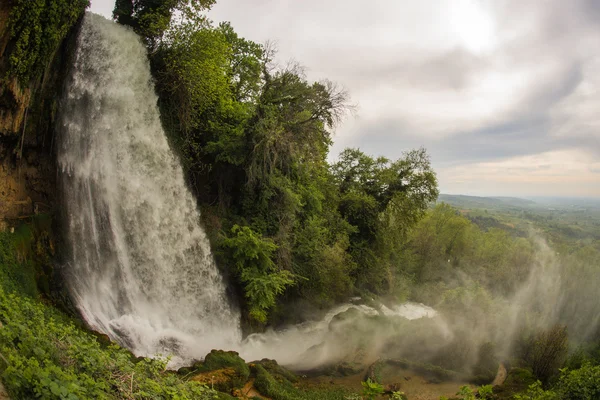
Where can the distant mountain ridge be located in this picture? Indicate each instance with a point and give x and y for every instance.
(464, 201)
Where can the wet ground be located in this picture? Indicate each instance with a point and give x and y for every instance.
(415, 386)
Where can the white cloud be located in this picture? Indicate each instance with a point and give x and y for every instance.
(103, 7)
(484, 80)
(576, 172)
(577, 115)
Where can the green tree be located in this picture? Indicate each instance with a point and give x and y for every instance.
(262, 281)
(37, 27)
(152, 18)
(441, 241)
(246, 64)
(382, 200)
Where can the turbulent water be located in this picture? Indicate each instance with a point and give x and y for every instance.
(140, 264)
(315, 343)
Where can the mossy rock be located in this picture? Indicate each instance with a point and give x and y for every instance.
(225, 369)
(275, 387)
(346, 369)
(348, 315)
(277, 370)
(218, 359)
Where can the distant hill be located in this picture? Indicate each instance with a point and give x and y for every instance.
(476, 202)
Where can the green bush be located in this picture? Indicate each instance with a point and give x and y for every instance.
(37, 27)
(580, 384)
(546, 351)
(44, 355)
(371, 389)
(485, 392)
(252, 257)
(277, 387)
(466, 393)
(16, 276)
(536, 392)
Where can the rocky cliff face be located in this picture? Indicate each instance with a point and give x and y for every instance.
(27, 118)
(13, 98)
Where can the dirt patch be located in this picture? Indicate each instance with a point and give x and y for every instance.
(3, 393)
(414, 385)
(500, 375)
(249, 392)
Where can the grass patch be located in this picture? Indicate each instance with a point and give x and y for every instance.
(429, 370)
(272, 382)
(16, 276)
(44, 354)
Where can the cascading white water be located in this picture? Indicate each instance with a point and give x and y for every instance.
(140, 267)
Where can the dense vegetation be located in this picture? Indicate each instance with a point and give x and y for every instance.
(37, 29)
(505, 288)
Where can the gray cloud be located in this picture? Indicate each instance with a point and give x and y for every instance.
(474, 81)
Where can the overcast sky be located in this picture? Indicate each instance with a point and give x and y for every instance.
(503, 94)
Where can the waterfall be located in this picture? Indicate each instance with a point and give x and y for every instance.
(139, 267)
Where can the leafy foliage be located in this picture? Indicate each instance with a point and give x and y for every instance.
(371, 389)
(262, 281)
(536, 392)
(466, 393)
(580, 384)
(44, 355)
(382, 200)
(398, 396)
(37, 27)
(151, 18)
(485, 392)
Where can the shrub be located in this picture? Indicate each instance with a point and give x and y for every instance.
(580, 384)
(371, 389)
(536, 392)
(546, 352)
(466, 393)
(263, 282)
(37, 27)
(485, 392)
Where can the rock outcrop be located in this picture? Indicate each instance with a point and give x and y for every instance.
(28, 113)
